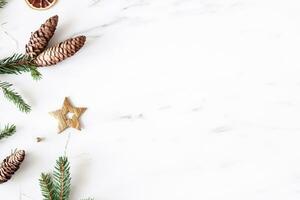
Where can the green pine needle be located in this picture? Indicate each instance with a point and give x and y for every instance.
(35, 74)
(18, 64)
(2, 3)
(8, 130)
(57, 186)
(14, 97)
(62, 179)
(47, 187)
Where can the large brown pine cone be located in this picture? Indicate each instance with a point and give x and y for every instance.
(40, 38)
(60, 52)
(10, 165)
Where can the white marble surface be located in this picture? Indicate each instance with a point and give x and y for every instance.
(188, 99)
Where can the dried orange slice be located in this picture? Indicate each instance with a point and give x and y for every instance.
(41, 4)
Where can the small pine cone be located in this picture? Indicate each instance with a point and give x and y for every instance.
(40, 38)
(10, 165)
(60, 52)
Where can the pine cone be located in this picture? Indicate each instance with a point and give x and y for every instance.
(60, 52)
(40, 38)
(10, 165)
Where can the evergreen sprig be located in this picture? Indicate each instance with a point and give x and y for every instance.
(47, 187)
(62, 179)
(18, 64)
(8, 130)
(2, 3)
(57, 186)
(14, 97)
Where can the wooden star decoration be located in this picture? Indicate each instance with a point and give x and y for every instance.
(64, 121)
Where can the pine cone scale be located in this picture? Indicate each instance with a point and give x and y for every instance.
(60, 52)
(40, 38)
(36, 47)
(10, 165)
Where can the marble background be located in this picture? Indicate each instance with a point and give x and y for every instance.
(187, 99)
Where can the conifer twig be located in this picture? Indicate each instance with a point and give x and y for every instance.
(2, 3)
(62, 179)
(14, 97)
(8, 130)
(47, 187)
(57, 186)
(18, 64)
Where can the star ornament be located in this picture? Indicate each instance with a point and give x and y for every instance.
(68, 116)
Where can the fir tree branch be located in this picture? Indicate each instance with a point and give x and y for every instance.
(62, 179)
(2, 3)
(58, 185)
(35, 74)
(47, 187)
(18, 64)
(14, 97)
(8, 130)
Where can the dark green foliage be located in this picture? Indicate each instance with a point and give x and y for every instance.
(62, 179)
(8, 130)
(58, 185)
(47, 187)
(14, 97)
(2, 3)
(18, 64)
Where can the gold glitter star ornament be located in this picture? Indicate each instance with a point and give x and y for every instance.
(68, 116)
